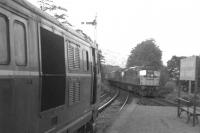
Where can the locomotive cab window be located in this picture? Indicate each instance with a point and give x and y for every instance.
(4, 40)
(85, 60)
(20, 43)
(53, 69)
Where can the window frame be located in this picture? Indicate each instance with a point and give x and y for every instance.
(7, 19)
(86, 61)
(24, 22)
(48, 74)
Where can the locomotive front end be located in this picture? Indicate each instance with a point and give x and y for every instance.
(149, 82)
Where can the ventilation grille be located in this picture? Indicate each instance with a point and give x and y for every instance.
(70, 56)
(74, 91)
(73, 56)
(77, 59)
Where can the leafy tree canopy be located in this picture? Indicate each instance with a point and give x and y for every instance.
(146, 53)
(57, 11)
(173, 67)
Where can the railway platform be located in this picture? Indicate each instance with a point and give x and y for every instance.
(151, 119)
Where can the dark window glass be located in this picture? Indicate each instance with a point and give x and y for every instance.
(53, 69)
(87, 60)
(20, 43)
(4, 40)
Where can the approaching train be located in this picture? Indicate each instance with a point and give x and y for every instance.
(49, 73)
(141, 80)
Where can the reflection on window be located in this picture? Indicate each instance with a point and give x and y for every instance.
(4, 40)
(20, 43)
(85, 60)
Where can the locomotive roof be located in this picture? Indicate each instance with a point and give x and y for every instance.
(137, 68)
(132, 68)
(48, 17)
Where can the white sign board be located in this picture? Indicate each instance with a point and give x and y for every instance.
(143, 73)
(188, 68)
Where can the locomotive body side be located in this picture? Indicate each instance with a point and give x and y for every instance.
(49, 74)
(138, 80)
(131, 76)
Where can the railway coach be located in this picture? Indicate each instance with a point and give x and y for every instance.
(49, 73)
(140, 80)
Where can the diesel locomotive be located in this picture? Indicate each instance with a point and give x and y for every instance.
(49, 73)
(141, 80)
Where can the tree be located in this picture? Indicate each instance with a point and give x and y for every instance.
(101, 57)
(57, 11)
(146, 53)
(173, 67)
(164, 76)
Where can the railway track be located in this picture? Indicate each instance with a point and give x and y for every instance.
(111, 99)
(152, 101)
(163, 102)
(109, 110)
(103, 95)
(156, 102)
(108, 102)
(125, 102)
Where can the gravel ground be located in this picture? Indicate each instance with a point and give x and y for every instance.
(151, 119)
(137, 118)
(156, 102)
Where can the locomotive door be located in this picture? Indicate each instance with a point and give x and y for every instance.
(94, 81)
(23, 81)
(53, 70)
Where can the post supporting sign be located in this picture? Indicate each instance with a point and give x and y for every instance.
(189, 72)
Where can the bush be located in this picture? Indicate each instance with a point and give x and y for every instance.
(169, 87)
(164, 76)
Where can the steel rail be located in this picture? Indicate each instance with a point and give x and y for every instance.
(126, 100)
(103, 95)
(101, 108)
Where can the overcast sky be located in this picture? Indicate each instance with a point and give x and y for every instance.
(122, 24)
